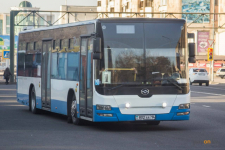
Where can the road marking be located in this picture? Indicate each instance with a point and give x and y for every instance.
(205, 106)
(8, 101)
(13, 105)
(208, 93)
(7, 89)
(8, 96)
(212, 88)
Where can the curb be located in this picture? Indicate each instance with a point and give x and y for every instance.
(214, 83)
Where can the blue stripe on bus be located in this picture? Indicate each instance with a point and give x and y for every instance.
(24, 99)
(117, 116)
(60, 107)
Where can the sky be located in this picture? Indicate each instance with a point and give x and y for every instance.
(45, 4)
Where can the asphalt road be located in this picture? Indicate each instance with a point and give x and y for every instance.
(22, 130)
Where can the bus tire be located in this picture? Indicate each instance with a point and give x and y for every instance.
(190, 82)
(200, 84)
(207, 84)
(73, 112)
(34, 110)
(155, 123)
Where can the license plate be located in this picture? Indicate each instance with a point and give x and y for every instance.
(201, 74)
(145, 117)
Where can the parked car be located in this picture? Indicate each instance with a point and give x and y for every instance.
(198, 75)
(220, 73)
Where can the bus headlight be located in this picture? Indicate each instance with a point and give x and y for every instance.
(184, 106)
(103, 107)
(183, 113)
(127, 105)
(164, 105)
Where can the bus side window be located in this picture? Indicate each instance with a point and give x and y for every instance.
(71, 43)
(61, 44)
(21, 58)
(54, 45)
(29, 59)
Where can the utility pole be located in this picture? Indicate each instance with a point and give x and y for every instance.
(212, 77)
(12, 42)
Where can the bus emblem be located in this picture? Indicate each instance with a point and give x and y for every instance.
(145, 91)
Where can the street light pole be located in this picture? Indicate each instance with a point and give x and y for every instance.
(212, 78)
(12, 42)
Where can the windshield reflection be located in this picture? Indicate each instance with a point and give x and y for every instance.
(150, 58)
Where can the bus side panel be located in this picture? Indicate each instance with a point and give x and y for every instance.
(59, 93)
(23, 85)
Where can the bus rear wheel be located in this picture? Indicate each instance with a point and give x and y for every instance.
(73, 112)
(33, 108)
(155, 123)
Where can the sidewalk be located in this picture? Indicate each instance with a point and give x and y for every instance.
(2, 80)
(217, 80)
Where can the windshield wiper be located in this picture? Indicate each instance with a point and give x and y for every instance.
(116, 87)
(174, 83)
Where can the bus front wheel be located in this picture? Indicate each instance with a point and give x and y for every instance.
(73, 112)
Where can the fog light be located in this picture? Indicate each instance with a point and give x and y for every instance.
(105, 115)
(164, 105)
(127, 105)
(183, 113)
(103, 107)
(184, 106)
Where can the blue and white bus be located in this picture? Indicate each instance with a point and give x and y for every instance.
(107, 70)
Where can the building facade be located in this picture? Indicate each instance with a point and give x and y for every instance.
(76, 17)
(203, 27)
(19, 19)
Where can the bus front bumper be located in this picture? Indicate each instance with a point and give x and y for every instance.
(115, 115)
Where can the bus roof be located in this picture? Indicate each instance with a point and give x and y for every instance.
(116, 20)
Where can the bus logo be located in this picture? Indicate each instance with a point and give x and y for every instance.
(145, 91)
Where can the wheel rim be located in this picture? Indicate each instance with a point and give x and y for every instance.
(33, 101)
(73, 109)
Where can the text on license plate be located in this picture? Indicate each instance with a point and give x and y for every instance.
(145, 117)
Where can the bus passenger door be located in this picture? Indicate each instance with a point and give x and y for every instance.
(45, 74)
(86, 78)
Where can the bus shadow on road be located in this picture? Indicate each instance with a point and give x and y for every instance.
(131, 126)
(110, 126)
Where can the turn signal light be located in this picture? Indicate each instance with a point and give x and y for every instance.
(105, 115)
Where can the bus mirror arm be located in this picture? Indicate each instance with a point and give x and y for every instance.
(97, 48)
(191, 58)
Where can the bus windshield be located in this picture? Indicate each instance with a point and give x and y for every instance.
(144, 53)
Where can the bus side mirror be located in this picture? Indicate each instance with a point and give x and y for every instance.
(191, 58)
(97, 48)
